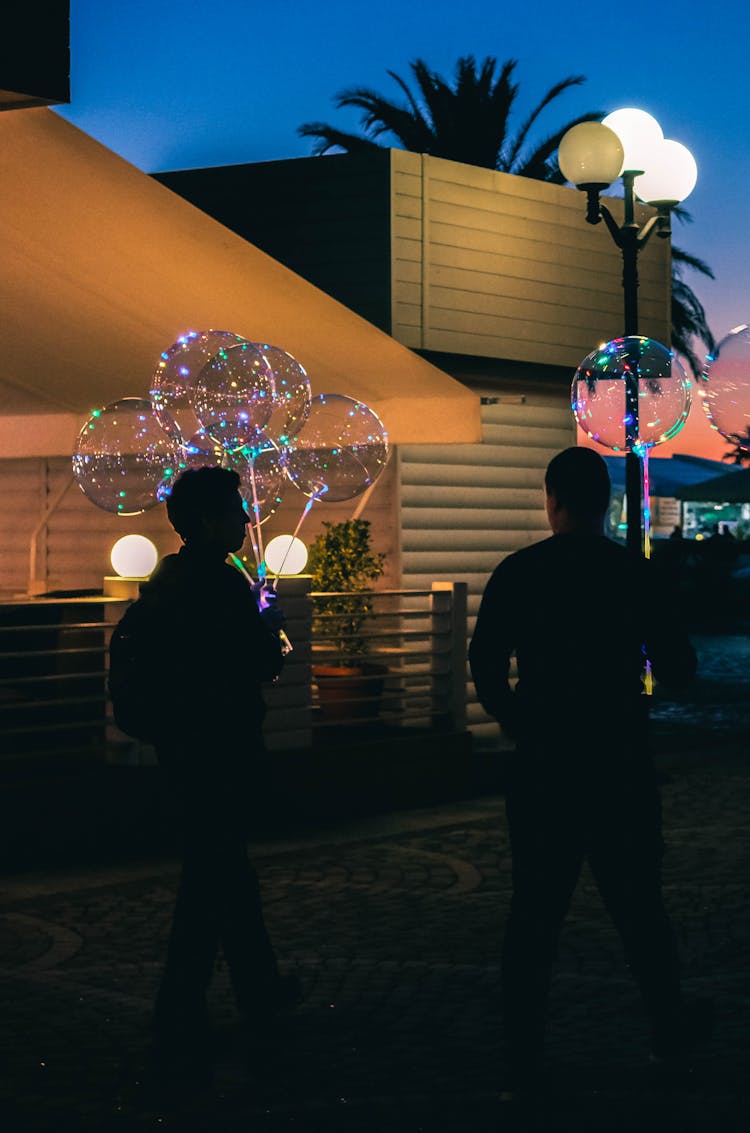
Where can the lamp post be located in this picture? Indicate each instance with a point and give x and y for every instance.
(629, 144)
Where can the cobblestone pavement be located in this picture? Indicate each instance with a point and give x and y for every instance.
(393, 926)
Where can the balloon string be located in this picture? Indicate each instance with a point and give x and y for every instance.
(648, 680)
(260, 554)
(305, 513)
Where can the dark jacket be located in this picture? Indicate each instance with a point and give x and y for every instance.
(217, 654)
(579, 612)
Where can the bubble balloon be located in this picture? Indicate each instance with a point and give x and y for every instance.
(123, 453)
(233, 396)
(177, 369)
(631, 394)
(293, 394)
(341, 449)
(725, 391)
(201, 451)
(261, 471)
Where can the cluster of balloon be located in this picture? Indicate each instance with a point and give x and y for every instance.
(725, 391)
(631, 394)
(217, 399)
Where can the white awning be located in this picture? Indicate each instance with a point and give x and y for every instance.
(103, 268)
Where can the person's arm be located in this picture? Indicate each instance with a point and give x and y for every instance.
(490, 651)
(668, 647)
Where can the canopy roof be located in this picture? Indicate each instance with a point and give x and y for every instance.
(731, 488)
(103, 268)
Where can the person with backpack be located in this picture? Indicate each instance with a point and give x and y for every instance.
(187, 664)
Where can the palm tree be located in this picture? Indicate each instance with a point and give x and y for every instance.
(468, 121)
(739, 452)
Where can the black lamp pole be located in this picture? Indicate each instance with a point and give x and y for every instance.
(629, 238)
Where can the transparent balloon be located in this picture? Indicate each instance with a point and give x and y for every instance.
(725, 389)
(261, 471)
(201, 451)
(293, 394)
(233, 396)
(177, 369)
(631, 394)
(340, 451)
(123, 453)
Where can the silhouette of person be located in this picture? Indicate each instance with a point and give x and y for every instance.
(676, 532)
(578, 610)
(218, 651)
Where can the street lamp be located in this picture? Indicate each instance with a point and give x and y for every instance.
(629, 144)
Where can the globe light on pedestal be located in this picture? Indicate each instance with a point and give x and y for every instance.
(133, 556)
(286, 554)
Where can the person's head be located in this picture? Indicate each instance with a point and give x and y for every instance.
(206, 509)
(578, 489)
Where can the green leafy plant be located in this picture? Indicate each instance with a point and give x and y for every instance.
(343, 566)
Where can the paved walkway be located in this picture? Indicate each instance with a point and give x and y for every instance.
(394, 926)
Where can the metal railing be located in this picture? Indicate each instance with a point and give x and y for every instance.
(52, 677)
(408, 657)
(390, 658)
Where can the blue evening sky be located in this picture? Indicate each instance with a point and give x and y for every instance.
(172, 84)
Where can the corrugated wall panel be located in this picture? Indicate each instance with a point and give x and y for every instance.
(465, 507)
(508, 267)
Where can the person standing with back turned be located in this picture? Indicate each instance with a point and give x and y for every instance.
(579, 612)
(217, 649)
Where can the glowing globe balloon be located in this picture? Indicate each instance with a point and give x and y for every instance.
(233, 396)
(134, 556)
(340, 451)
(122, 454)
(293, 394)
(725, 391)
(631, 394)
(261, 471)
(177, 369)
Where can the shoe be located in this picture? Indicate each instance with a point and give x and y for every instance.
(680, 1036)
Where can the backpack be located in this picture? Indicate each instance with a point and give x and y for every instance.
(137, 652)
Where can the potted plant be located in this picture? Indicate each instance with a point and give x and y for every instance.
(343, 566)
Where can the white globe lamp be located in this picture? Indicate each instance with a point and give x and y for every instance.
(134, 556)
(286, 555)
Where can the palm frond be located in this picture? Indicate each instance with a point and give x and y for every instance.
(682, 259)
(330, 138)
(553, 93)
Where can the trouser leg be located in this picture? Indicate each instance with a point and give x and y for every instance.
(546, 862)
(180, 1017)
(246, 945)
(625, 858)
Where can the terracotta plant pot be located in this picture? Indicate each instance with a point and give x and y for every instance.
(349, 692)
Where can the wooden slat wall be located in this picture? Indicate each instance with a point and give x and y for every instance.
(73, 550)
(465, 507)
(494, 265)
